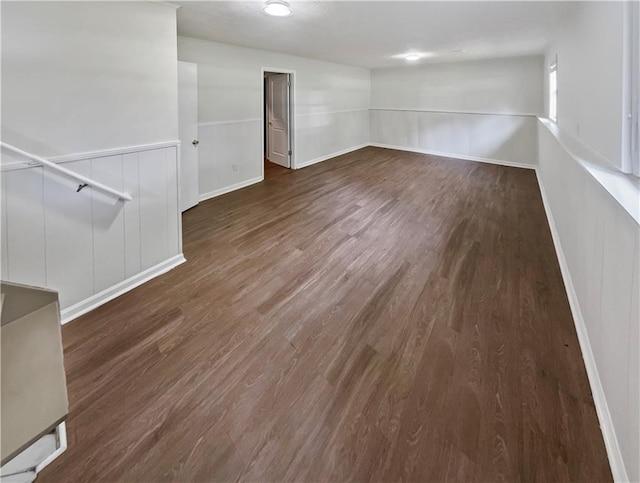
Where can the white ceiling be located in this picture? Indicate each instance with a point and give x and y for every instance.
(370, 33)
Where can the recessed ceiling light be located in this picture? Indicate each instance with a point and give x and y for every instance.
(413, 55)
(277, 8)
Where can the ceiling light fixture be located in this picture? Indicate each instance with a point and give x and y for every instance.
(413, 55)
(277, 8)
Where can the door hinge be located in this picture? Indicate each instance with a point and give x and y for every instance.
(290, 153)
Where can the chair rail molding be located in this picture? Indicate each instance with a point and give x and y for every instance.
(83, 180)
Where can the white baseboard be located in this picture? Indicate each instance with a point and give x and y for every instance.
(456, 156)
(614, 453)
(110, 293)
(304, 164)
(230, 188)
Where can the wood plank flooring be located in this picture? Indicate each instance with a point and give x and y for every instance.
(381, 316)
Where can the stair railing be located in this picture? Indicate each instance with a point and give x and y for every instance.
(83, 180)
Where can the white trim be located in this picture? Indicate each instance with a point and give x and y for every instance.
(91, 155)
(61, 433)
(441, 111)
(293, 103)
(115, 151)
(309, 114)
(230, 188)
(624, 188)
(178, 196)
(306, 114)
(88, 304)
(456, 156)
(170, 5)
(614, 453)
(79, 178)
(630, 90)
(219, 123)
(304, 164)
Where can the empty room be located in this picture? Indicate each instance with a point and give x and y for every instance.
(320, 241)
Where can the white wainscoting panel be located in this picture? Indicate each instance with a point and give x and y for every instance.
(395, 128)
(85, 243)
(598, 245)
(131, 213)
(153, 208)
(108, 223)
(24, 211)
(316, 137)
(69, 234)
(487, 137)
(325, 135)
(230, 154)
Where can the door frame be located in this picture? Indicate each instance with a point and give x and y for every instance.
(292, 118)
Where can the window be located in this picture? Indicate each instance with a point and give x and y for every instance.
(553, 91)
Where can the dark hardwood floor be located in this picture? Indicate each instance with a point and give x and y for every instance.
(381, 316)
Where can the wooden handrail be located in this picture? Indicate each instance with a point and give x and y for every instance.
(83, 180)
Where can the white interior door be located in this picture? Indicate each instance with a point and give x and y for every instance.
(278, 119)
(188, 131)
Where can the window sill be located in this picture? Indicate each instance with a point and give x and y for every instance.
(623, 187)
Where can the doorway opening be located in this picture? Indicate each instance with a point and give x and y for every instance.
(277, 119)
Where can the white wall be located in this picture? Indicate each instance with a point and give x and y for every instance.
(600, 243)
(480, 110)
(598, 233)
(590, 76)
(94, 84)
(86, 76)
(331, 103)
(498, 86)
